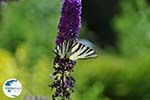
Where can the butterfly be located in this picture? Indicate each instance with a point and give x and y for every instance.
(74, 50)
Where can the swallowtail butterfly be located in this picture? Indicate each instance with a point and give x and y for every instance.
(74, 51)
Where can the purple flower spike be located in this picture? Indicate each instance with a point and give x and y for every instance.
(68, 29)
(64, 82)
(69, 25)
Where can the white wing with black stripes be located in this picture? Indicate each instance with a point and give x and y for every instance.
(81, 51)
(74, 51)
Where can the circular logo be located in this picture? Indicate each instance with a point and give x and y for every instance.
(12, 88)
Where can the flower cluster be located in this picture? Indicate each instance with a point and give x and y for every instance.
(64, 82)
(70, 20)
(68, 29)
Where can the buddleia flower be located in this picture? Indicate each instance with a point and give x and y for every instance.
(70, 21)
(68, 50)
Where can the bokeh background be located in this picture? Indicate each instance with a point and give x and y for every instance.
(119, 29)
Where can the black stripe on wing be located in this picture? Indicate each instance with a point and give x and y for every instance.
(86, 49)
(77, 49)
(87, 53)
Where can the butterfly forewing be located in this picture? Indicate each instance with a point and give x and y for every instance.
(81, 51)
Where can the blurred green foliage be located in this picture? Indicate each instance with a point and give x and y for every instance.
(27, 34)
(31, 23)
(133, 26)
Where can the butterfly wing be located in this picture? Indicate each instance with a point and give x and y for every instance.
(74, 51)
(81, 51)
(60, 50)
(63, 49)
